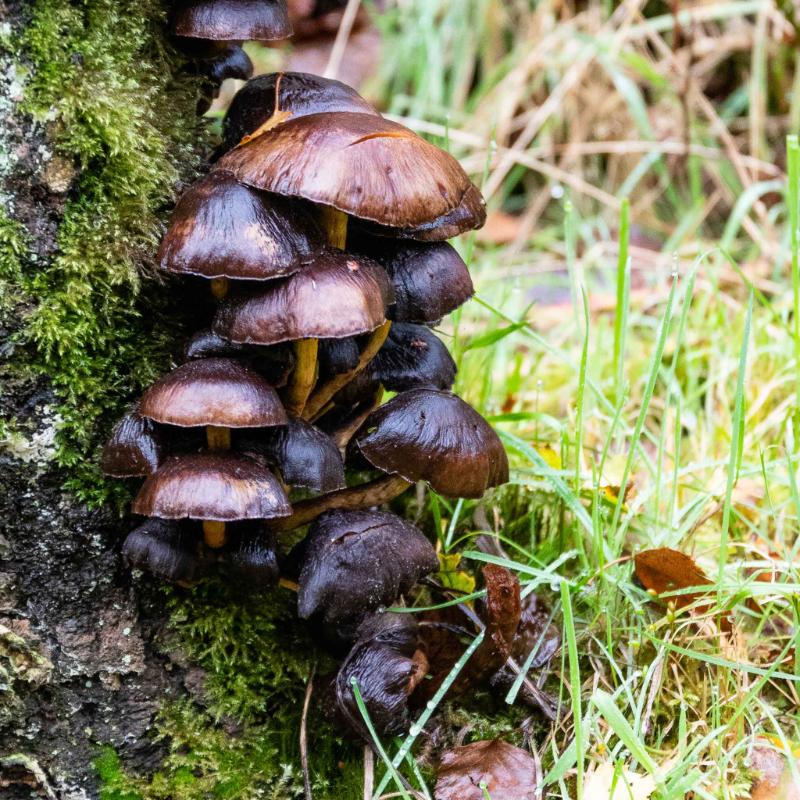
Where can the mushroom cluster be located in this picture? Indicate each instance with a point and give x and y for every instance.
(320, 231)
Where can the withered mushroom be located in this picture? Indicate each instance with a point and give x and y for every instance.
(215, 488)
(135, 448)
(280, 96)
(358, 561)
(165, 549)
(305, 456)
(223, 230)
(387, 666)
(413, 357)
(231, 20)
(253, 556)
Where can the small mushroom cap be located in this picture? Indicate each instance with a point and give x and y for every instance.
(135, 448)
(426, 434)
(165, 549)
(295, 93)
(430, 280)
(337, 295)
(231, 20)
(382, 662)
(222, 229)
(363, 165)
(358, 561)
(212, 486)
(337, 356)
(305, 456)
(213, 391)
(232, 63)
(253, 556)
(413, 357)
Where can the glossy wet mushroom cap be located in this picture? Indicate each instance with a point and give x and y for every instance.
(212, 486)
(296, 94)
(426, 434)
(253, 557)
(305, 456)
(337, 356)
(222, 229)
(231, 20)
(413, 357)
(337, 295)
(135, 448)
(233, 62)
(430, 280)
(383, 664)
(363, 165)
(358, 561)
(167, 550)
(213, 391)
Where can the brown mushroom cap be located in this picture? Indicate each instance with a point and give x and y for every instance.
(212, 486)
(295, 93)
(231, 20)
(430, 280)
(430, 435)
(213, 391)
(135, 448)
(222, 229)
(338, 295)
(363, 165)
(413, 357)
(165, 549)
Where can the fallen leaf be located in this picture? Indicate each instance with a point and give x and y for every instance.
(774, 779)
(500, 228)
(666, 570)
(507, 772)
(451, 577)
(550, 456)
(606, 782)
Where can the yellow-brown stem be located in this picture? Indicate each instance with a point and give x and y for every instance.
(220, 287)
(374, 493)
(287, 584)
(304, 375)
(335, 224)
(214, 533)
(324, 393)
(218, 438)
(343, 434)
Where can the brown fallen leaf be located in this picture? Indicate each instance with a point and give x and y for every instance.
(606, 782)
(500, 228)
(775, 780)
(666, 570)
(507, 772)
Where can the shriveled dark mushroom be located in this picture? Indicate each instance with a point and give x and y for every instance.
(286, 95)
(337, 356)
(164, 548)
(430, 280)
(304, 455)
(223, 230)
(212, 487)
(387, 666)
(135, 448)
(253, 556)
(357, 561)
(232, 62)
(231, 20)
(413, 357)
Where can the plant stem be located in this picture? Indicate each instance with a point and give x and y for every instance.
(304, 375)
(214, 533)
(374, 493)
(220, 287)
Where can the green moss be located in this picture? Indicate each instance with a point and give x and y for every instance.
(13, 246)
(101, 81)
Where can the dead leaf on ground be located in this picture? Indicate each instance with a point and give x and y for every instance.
(666, 570)
(500, 228)
(605, 782)
(774, 779)
(508, 773)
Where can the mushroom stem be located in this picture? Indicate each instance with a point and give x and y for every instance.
(317, 402)
(214, 533)
(218, 438)
(287, 584)
(219, 287)
(335, 224)
(374, 493)
(304, 375)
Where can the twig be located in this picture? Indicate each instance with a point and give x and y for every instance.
(304, 737)
(342, 37)
(369, 772)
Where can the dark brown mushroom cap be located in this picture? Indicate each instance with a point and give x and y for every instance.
(233, 62)
(213, 391)
(222, 229)
(468, 215)
(135, 448)
(337, 356)
(382, 663)
(337, 295)
(425, 434)
(363, 165)
(295, 93)
(413, 357)
(165, 549)
(305, 456)
(430, 280)
(358, 561)
(253, 557)
(212, 486)
(231, 20)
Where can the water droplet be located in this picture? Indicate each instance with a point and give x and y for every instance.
(431, 705)
(415, 730)
(556, 191)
